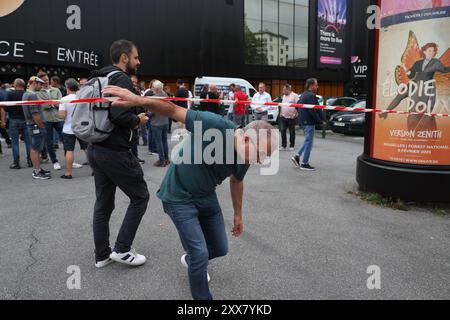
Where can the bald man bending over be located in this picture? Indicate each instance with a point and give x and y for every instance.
(188, 189)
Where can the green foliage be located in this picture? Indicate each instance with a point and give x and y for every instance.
(253, 49)
(377, 199)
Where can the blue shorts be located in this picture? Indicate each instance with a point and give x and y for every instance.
(37, 136)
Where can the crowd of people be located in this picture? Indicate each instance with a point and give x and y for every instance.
(187, 191)
(18, 124)
(42, 128)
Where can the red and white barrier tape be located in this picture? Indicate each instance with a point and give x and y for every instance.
(267, 104)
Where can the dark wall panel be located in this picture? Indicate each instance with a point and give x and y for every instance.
(175, 37)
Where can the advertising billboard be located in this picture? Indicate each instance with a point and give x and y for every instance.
(413, 75)
(331, 29)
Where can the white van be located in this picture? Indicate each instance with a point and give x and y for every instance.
(223, 84)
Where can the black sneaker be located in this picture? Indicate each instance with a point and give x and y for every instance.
(141, 161)
(307, 167)
(66, 177)
(29, 163)
(41, 175)
(296, 160)
(15, 165)
(45, 171)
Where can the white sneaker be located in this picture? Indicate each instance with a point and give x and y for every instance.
(184, 263)
(56, 166)
(104, 263)
(131, 258)
(283, 149)
(77, 165)
(291, 149)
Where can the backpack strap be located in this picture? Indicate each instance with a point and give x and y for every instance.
(109, 75)
(101, 107)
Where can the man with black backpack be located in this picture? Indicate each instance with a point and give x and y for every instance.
(114, 165)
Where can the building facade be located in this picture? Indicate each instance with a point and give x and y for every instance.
(274, 41)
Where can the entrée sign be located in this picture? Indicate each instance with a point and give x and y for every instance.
(19, 51)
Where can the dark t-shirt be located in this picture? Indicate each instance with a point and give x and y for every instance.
(182, 93)
(210, 106)
(213, 106)
(204, 105)
(63, 91)
(187, 182)
(15, 112)
(309, 117)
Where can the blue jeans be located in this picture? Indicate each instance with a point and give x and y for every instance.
(308, 144)
(203, 236)
(49, 126)
(56, 137)
(16, 125)
(159, 135)
(143, 133)
(150, 140)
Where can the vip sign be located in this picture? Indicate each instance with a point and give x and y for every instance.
(73, 21)
(359, 68)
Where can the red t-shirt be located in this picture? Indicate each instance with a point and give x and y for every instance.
(239, 108)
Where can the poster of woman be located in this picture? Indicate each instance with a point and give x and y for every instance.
(413, 76)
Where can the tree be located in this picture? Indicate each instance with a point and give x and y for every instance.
(253, 48)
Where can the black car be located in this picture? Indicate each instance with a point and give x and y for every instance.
(348, 122)
(338, 102)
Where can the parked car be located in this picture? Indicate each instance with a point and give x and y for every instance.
(348, 122)
(338, 102)
(343, 101)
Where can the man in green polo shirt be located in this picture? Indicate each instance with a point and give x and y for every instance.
(188, 189)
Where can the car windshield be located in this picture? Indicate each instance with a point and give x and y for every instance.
(359, 104)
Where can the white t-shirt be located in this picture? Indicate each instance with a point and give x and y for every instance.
(190, 102)
(68, 107)
(231, 97)
(261, 97)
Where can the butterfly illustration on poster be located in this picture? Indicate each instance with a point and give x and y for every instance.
(420, 76)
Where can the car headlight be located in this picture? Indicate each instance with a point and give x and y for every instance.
(359, 119)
